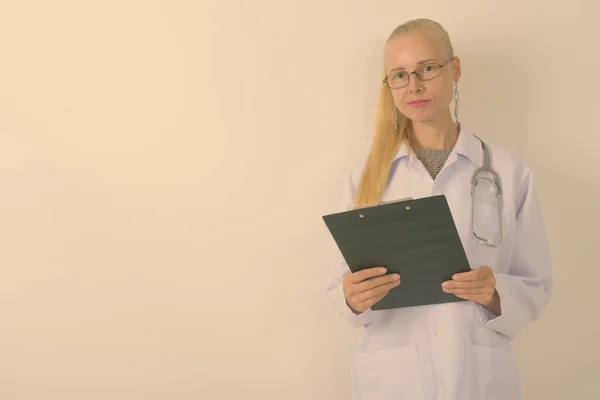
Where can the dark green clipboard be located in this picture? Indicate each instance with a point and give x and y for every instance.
(416, 238)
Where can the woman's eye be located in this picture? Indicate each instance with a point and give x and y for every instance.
(400, 75)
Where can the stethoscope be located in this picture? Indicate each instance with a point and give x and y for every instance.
(495, 183)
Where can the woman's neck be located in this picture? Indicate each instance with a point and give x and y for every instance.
(435, 135)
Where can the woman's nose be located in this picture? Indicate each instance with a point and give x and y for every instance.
(415, 84)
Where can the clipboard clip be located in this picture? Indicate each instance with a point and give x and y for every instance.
(394, 201)
(381, 203)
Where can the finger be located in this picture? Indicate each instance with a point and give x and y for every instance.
(488, 282)
(366, 273)
(481, 283)
(467, 276)
(475, 274)
(375, 282)
(359, 292)
(381, 290)
(376, 299)
(372, 301)
(470, 292)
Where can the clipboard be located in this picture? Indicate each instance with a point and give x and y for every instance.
(417, 239)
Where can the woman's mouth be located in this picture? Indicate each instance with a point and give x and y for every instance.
(419, 103)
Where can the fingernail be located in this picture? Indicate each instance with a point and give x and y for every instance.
(382, 270)
(396, 276)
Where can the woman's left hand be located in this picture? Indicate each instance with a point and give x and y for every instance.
(478, 285)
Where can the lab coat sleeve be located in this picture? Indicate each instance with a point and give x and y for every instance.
(527, 287)
(339, 270)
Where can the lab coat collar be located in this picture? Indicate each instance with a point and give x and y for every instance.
(467, 145)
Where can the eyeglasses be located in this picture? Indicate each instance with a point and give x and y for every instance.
(425, 72)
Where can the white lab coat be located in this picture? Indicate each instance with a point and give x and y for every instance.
(460, 350)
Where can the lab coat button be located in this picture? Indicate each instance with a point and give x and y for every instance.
(441, 333)
(442, 391)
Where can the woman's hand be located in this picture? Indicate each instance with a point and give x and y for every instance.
(364, 288)
(478, 285)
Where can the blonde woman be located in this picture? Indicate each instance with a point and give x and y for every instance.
(459, 350)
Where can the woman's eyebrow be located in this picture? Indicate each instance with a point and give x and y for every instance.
(418, 63)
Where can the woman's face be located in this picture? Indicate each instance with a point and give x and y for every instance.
(421, 101)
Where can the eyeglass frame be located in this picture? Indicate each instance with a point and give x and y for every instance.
(415, 73)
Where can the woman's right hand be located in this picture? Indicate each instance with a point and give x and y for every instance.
(364, 288)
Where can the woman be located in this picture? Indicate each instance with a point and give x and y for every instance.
(459, 350)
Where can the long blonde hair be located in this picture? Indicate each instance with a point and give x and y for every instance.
(391, 127)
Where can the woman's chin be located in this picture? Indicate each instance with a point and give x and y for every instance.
(422, 117)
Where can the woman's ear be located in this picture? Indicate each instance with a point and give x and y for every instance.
(456, 70)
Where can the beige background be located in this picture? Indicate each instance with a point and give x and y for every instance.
(164, 166)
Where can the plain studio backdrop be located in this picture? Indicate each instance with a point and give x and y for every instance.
(164, 166)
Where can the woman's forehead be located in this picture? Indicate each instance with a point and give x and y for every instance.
(408, 50)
